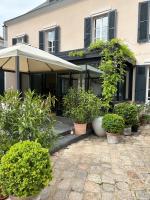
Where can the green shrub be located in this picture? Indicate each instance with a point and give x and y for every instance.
(81, 106)
(25, 119)
(25, 169)
(128, 111)
(77, 53)
(97, 45)
(113, 123)
(145, 119)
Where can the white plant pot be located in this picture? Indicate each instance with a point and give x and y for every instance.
(113, 138)
(97, 126)
(127, 131)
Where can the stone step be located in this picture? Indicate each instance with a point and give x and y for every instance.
(69, 139)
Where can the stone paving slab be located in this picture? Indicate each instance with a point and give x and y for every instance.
(94, 170)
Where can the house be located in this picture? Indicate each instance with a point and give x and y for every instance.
(60, 26)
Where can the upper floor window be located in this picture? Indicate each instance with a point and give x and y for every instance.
(144, 22)
(101, 28)
(20, 39)
(49, 40)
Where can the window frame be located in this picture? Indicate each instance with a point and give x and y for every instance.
(46, 41)
(94, 26)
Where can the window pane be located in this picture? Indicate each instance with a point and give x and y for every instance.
(101, 28)
(20, 40)
(51, 41)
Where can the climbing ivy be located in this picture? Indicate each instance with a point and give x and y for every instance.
(114, 55)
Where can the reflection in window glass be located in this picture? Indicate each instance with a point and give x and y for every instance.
(20, 40)
(101, 28)
(51, 41)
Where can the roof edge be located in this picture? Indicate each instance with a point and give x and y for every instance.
(34, 10)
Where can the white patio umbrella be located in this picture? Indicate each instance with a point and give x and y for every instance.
(28, 59)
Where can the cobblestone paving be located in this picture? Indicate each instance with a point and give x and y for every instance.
(93, 170)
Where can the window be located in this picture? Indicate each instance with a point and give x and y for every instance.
(101, 28)
(20, 39)
(51, 41)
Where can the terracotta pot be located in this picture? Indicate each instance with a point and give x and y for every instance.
(3, 198)
(80, 129)
(112, 138)
(127, 131)
(97, 126)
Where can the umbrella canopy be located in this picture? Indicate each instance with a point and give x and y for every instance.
(32, 60)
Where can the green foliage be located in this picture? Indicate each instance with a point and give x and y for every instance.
(25, 169)
(114, 55)
(27, 119)
(147, 108)
(145, 119)
(77, 53)
(128, 111)
(113, 123)
(98, 45)
(81, 106)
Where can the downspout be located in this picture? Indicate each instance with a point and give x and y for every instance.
(5, 35)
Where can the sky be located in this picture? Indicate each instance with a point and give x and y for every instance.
(12, 8)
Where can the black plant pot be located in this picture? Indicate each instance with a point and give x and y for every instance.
(135, 128)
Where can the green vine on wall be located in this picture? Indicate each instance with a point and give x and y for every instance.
(114, 55)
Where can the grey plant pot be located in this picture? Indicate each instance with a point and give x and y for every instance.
(127, 131)
(113, 138)
(97, 127)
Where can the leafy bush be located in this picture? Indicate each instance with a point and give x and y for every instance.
(145, 119)
(27, 119)
(25, 169)
(113, 123)
(128, 111)
(77, 53)
(81, 106)
(98, 45)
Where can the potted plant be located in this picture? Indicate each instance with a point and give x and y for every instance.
(82, 107)
(79, 117)
(25, 170)
(2, 197)
(114, 126)
(97, 117)
(145, 119)
(129, 112)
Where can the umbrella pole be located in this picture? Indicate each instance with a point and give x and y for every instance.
(17, 73)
